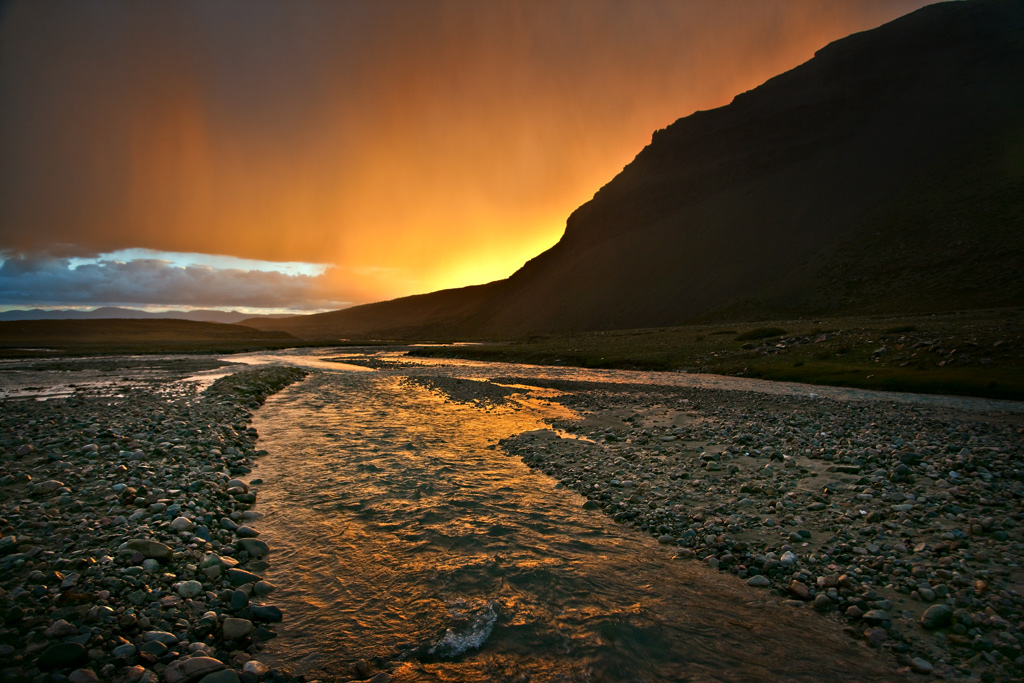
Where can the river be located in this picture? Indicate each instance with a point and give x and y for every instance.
(402, 536)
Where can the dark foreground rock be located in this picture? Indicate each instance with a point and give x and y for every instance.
(124, 535)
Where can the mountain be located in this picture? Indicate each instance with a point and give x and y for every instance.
(226, 317)
(158, 335)
(885, 175)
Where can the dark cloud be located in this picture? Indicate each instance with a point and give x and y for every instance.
(53, 282)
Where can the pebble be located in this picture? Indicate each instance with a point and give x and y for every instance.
(759, 581)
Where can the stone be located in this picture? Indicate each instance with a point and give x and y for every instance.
(266, 613)
(937, 616)
(235, 629)
(263, 588)
(239, 600)
(876, 635)
(799, 590)
(921, 666)
(225, 676)
(148, 548)
(83, 676)
(239, 577)
(160, 637)
(254, 546)
(191, 670)
(876, 617)
(822, 603)
(183, 524)
(759, 581)
(190, 589)
(62, 655)
(61, 629)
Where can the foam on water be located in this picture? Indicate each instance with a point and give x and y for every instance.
(470, 636)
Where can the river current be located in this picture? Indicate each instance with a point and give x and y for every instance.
(404, 537)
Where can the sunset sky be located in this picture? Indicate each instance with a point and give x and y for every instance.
(304, 156)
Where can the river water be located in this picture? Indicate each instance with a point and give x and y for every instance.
(402, 536)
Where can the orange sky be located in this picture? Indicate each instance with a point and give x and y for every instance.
(410, 145)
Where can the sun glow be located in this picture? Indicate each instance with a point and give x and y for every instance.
(406, 146)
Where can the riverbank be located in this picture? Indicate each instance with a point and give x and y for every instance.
(904, 523)
(126, 551)
(973, 353)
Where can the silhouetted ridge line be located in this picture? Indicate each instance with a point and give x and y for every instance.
(881, 176)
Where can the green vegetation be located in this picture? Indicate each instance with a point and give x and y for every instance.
(761, 333)
(977, 353)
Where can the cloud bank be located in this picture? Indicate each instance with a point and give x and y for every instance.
(48, 281)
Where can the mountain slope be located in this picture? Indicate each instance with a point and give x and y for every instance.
(884, 175)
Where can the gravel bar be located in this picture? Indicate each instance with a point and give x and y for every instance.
(126, 551)
(903, 522)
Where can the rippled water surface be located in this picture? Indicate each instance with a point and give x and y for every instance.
(401, 534)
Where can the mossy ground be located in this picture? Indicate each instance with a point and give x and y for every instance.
(978, 353)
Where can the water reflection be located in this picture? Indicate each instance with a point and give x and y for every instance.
(400, 534)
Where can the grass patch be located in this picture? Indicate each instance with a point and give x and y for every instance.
(989, 361)
(761, 333)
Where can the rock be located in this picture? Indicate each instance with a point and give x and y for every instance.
(876, 635)
(191, 670)
(666, 538)
(61, 629)
(183, 524)
(148, 548)
(254, 546)
(759, 581)
(239, 600)
(921, 666)
(225, 676)
(62, 655)
(239, 577)
(266, 613)
(799, 590)
(190, 589)
(822, 602)
(263, 588)
(83, 676)
(236, 629)
(160, 637)
(124, 651)
(876, 617)
(937, 616)
(255, 667)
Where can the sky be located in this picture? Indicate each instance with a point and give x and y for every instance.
(273, 156)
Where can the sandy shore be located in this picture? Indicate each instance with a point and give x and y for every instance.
(126, 552)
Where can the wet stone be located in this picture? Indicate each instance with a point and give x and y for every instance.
(937, 616)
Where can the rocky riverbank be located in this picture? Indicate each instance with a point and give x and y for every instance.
(903, 522)
(127, 552)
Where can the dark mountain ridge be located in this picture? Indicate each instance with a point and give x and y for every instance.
(885, 175)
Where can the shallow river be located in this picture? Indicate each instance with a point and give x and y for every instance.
(401, 534)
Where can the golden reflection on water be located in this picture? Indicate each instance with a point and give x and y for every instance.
(400, 534)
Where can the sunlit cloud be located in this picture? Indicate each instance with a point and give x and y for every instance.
(148, 282)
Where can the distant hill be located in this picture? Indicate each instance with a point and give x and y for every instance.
(226, 317)
(136, 336)
(885, 175)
